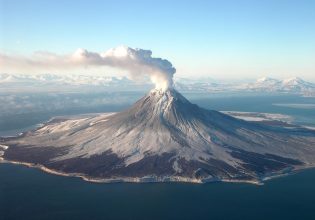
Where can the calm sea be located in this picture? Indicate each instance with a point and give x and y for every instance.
(27, 193)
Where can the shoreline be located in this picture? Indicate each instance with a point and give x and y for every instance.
(154, 179)
(147, 179)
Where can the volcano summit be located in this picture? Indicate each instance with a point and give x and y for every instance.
(163, 137)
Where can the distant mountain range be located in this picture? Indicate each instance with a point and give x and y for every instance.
(66, 79)
(294, 85)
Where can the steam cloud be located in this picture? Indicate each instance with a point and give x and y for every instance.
(138, 63)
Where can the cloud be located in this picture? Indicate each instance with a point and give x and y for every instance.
(138, 63)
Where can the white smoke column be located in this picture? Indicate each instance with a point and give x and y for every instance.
(138, 63)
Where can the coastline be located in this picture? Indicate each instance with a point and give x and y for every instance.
(154, 179)
(147, 179)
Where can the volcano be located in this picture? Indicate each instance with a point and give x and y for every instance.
(163, 137)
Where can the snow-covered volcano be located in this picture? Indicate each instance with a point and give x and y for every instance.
(164, 137)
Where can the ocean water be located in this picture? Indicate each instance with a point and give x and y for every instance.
(28, 193)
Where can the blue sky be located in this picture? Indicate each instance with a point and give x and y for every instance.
(218, 39)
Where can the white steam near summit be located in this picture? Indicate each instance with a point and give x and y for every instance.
(139, 63)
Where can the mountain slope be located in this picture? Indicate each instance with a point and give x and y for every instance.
(165, 137)
(292, 85)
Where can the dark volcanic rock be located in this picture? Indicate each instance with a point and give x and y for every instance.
(166, 137)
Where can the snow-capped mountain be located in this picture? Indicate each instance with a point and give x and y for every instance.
(296, 84)
(164, 137)
(292, 85)
(265, 84)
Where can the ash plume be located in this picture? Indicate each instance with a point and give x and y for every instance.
(139, 63)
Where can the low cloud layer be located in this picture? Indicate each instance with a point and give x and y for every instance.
(138, 63)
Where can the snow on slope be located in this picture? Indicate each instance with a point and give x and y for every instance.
(293, 85)
(163, 134)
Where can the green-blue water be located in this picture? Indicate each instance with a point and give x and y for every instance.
(27, 193)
